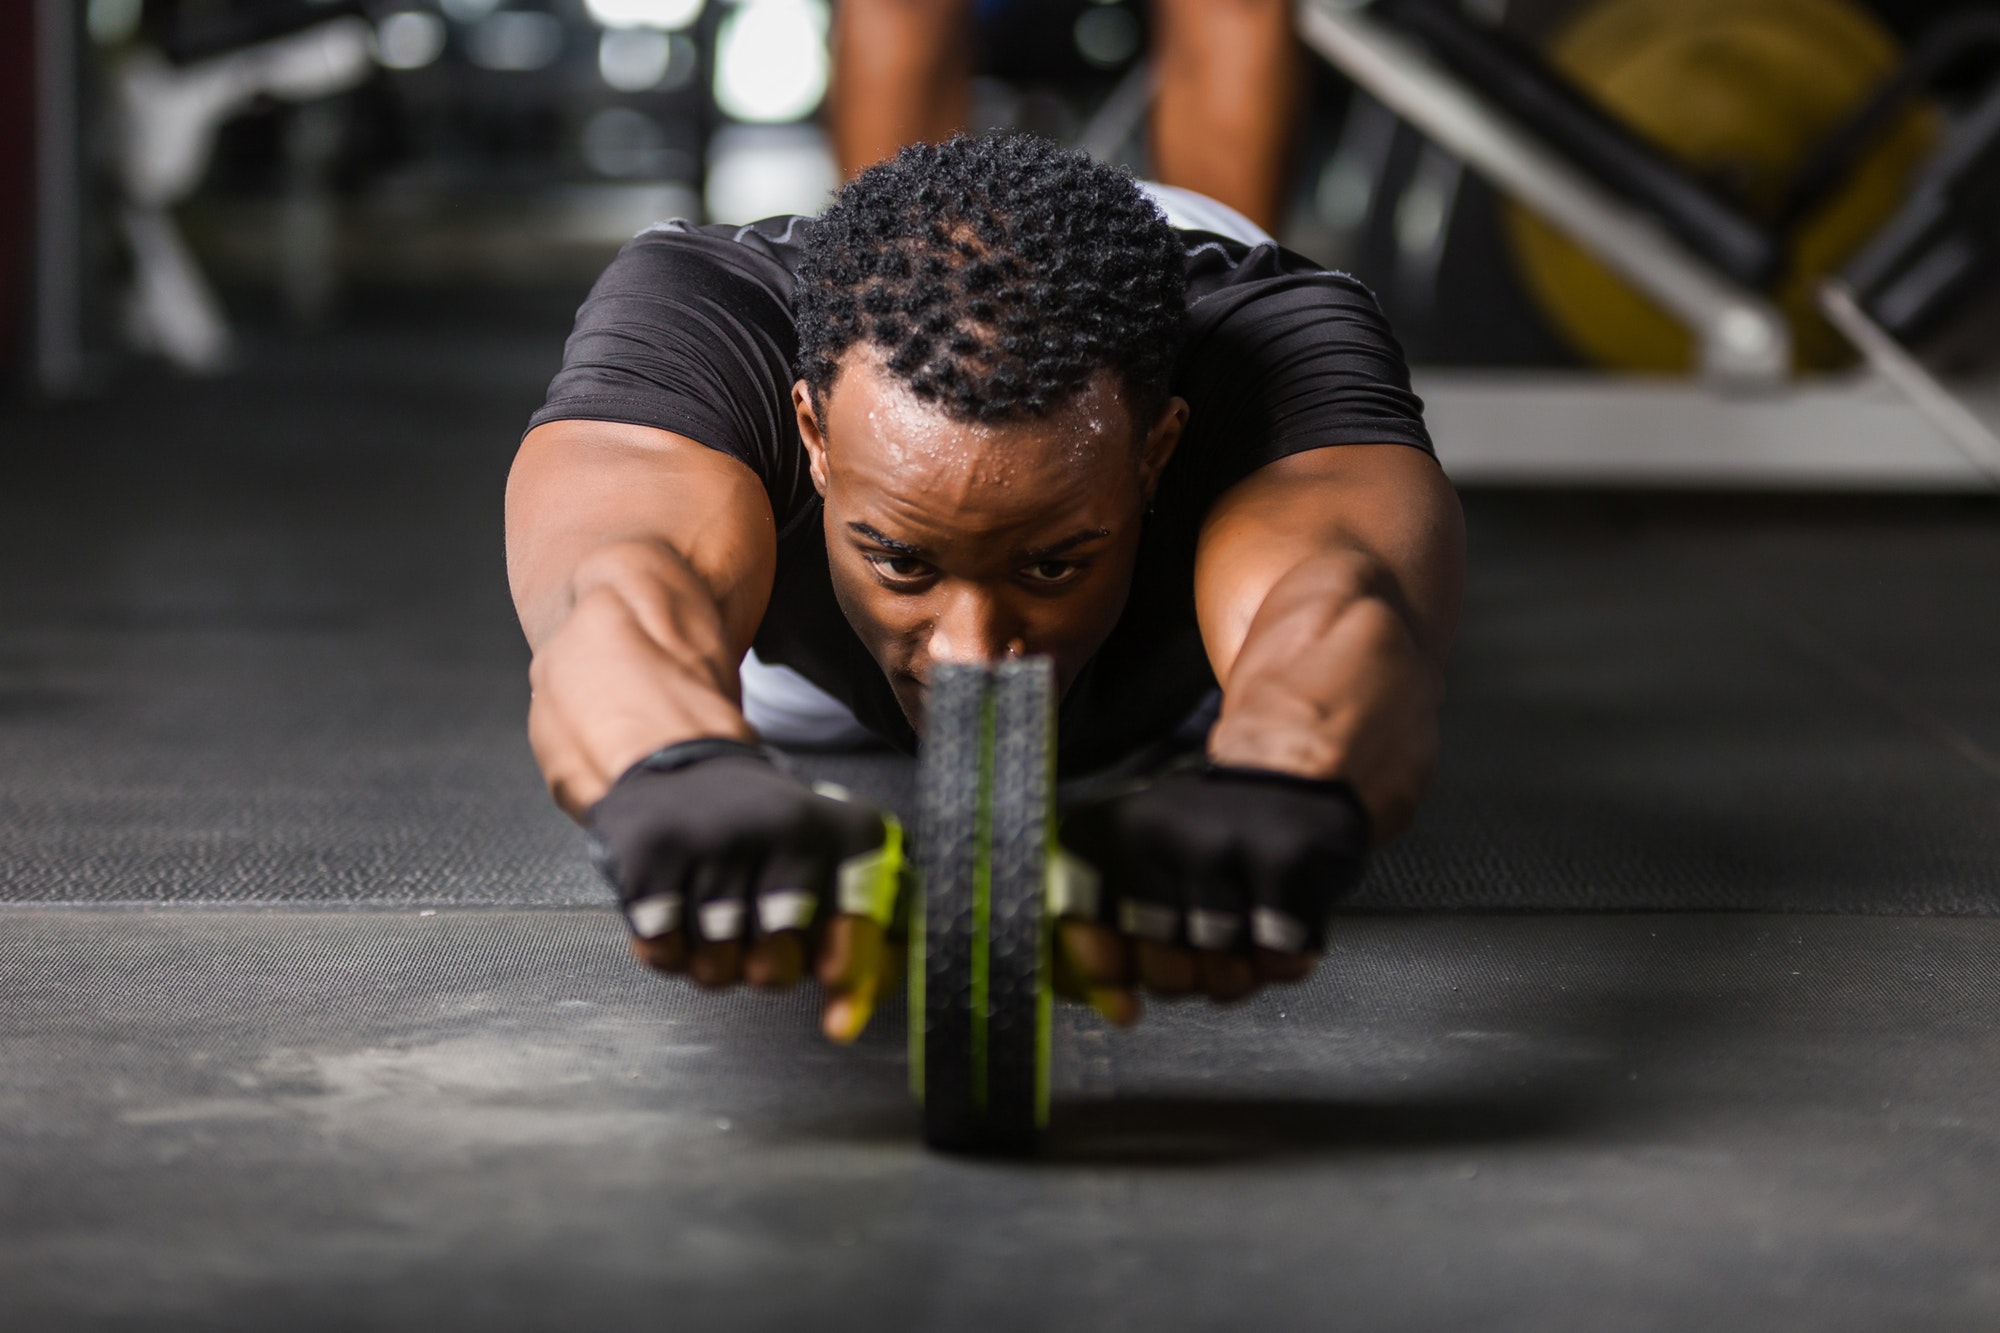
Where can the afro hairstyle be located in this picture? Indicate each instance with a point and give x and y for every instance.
(996, 275)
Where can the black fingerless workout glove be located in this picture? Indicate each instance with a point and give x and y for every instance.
(713, 837)
(1218, 858)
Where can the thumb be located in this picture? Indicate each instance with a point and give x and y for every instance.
(852, 965)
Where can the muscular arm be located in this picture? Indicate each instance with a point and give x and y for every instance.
(1328, 587)
(640, 563)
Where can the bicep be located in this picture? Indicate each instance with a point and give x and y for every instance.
(1387, 508)
(579, 487)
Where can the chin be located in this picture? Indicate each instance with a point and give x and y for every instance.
(910, 698)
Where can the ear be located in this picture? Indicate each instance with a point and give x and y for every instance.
(810, 435)
(1161, 440)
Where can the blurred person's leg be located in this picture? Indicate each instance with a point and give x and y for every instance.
(902, 73)
(1231, 90)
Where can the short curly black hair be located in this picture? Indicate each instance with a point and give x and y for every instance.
(997, 274)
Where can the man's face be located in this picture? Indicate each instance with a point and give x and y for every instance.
(952, 541)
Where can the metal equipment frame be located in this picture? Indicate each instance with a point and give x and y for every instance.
(1772, 430)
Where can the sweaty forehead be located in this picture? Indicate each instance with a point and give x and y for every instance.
(877, 429)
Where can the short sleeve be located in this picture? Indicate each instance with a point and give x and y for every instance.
(1282, 357)
(690, 330)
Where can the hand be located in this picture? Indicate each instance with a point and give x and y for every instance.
(723, 863)
(1214, 881)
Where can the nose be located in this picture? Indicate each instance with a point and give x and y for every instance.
(972, 626)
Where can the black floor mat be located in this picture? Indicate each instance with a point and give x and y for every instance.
(274, 1118)
(256, 651)
(255, 645)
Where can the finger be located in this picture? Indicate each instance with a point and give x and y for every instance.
(784, 908)
(1166, 970)
(1089, 954)
(785, 889)
(1117, 1005)
(717, 964)
(1152, 911)
(850, 967)
(776, 962)
(659, 909)
(1215, 917)
(1214, 929)
(1098, 954)
(1227, 977)
(716, 892)
(1273, 966)
(655, 915)
(1094, 965)
(668, 953)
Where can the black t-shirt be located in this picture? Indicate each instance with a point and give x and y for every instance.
(690, 330)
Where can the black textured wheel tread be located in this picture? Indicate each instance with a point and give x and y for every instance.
(948, 801)
(988, 742)
(1022, 794)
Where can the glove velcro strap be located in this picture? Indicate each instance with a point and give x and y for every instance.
(1339, 789)
(686, 754)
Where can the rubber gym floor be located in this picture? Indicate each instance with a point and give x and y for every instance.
(1675, 1010)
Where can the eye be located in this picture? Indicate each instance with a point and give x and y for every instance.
(899, 568)
(1050, 573)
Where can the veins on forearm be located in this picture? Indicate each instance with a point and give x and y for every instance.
(1330, 656)
(669, 603)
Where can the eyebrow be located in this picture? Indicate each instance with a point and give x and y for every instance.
(1069, 543)
(885, 541)
(1049, 552)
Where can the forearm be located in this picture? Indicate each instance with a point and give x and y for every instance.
(641, 659)
(1332, 681)
(640, 564)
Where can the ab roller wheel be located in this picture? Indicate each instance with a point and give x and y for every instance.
(979, 932)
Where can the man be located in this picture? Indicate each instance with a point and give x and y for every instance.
(989, 403)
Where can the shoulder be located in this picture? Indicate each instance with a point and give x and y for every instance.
(670, 256)
(1225, 276)
(1282, 355)
(690, 331)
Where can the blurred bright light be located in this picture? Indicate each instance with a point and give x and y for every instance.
(760, 171)
(1107, 37)
(619, 141)
(409, 40)
(633, 59)
(518, 41)
(608, 215)
(113, 21)
(666, 15)
(771, 61)
(683, 58)
(468, 11)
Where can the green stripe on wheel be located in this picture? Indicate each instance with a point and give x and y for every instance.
(982, 908)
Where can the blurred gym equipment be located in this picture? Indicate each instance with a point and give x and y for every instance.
(1647, 263)
(1739, 93)
(169, 110)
